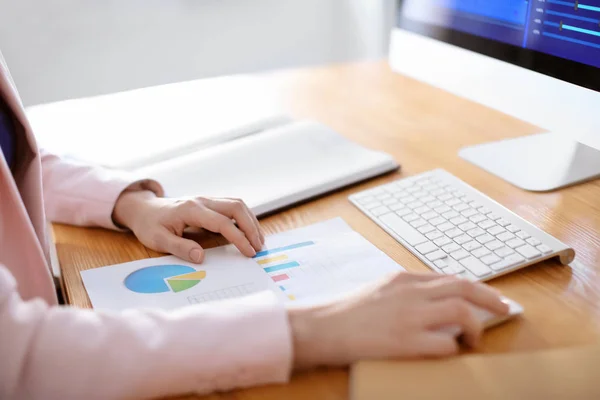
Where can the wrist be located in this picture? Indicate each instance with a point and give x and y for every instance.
(312, 338)
(129, 206)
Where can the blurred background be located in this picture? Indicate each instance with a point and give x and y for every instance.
(63, 49)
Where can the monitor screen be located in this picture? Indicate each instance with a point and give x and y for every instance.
(555, 37)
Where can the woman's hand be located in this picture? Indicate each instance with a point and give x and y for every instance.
(403, 316)
(159, 222)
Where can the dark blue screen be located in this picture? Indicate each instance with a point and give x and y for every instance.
(566, 29)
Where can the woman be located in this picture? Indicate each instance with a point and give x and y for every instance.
(55, 352)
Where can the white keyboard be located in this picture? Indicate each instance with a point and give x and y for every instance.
(455, 229)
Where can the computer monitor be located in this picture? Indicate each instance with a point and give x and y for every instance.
(537, 60)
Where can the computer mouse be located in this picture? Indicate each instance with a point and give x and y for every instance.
(489, 319)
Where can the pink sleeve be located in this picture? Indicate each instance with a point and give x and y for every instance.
(79, 194)
(62, 352)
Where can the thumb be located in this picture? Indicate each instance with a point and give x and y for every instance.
(183, 248)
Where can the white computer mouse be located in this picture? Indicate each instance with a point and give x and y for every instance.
(489, 319)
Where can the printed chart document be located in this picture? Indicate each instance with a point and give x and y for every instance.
(306, 265)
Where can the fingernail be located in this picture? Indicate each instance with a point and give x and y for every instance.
(196, 255)
(252, 252)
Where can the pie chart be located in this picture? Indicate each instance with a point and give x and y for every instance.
(163, 278)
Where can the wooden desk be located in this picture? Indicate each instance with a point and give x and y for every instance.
(423, 128)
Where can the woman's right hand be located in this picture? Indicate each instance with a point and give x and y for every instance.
(401, 317)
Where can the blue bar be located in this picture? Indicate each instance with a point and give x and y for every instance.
(590, 8)
(282, 266)
(280, 249)
(581, 30)
(559, 14)
(562, 3)
(567, 39)
(556, 24)
(282, 288)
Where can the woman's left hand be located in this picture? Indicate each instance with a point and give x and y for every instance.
(159, 222)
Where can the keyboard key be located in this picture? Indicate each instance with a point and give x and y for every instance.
(380, 211)
(513, 228)
(502, 222)
(496, 230)
(514, 243)
(452, 233)
(397, 206)
(459, 254)
(426, 228)
(508, 262)
(475, 266)
(413, 189)
(434, 204)
(528, 251)
(383, 196)
(522, 234)
(436, 255)
(487, 224)
(506, 236)
(445, 227)
(493, 216)
(475, 232)
(472, 245)
(442, 209)
(427, 199)
(437, 221)
(544, 249)
(366, 200)
(389, 202)
(429, 215)
(484, 210)
(449, 248)
(495, 245)
(483, 239)
(426, 248)
(408, 199)
(452, 202)
(438, 192)
(469, 213)
(490, 259)
(462, 239)
(404, 211)
(467, 226)
(440, 263)
(402, 229)
(431, 187)
(477, 218)
(450, 214)
(442, 241)
(480, 252)
(415, 204)
(458, 220)
(454, 269)
(422, 210)
(411, 217)
(461, 207)
(434, 235)
(420, 194)
(504, 251)
(371, 205)
(418, 223)
(447, 197)
(533, 241)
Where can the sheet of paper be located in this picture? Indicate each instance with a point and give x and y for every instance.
(306, 265)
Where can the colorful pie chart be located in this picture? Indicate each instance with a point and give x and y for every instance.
(164, 278)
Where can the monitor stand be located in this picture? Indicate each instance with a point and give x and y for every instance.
(540, 162)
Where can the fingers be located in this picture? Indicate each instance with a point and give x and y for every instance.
(412, 277)
(215, 222)
(183, 248)
(475, 293)
(454, 312)
(437, 344)
(246, 220)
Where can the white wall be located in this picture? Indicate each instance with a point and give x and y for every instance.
(60, 49)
